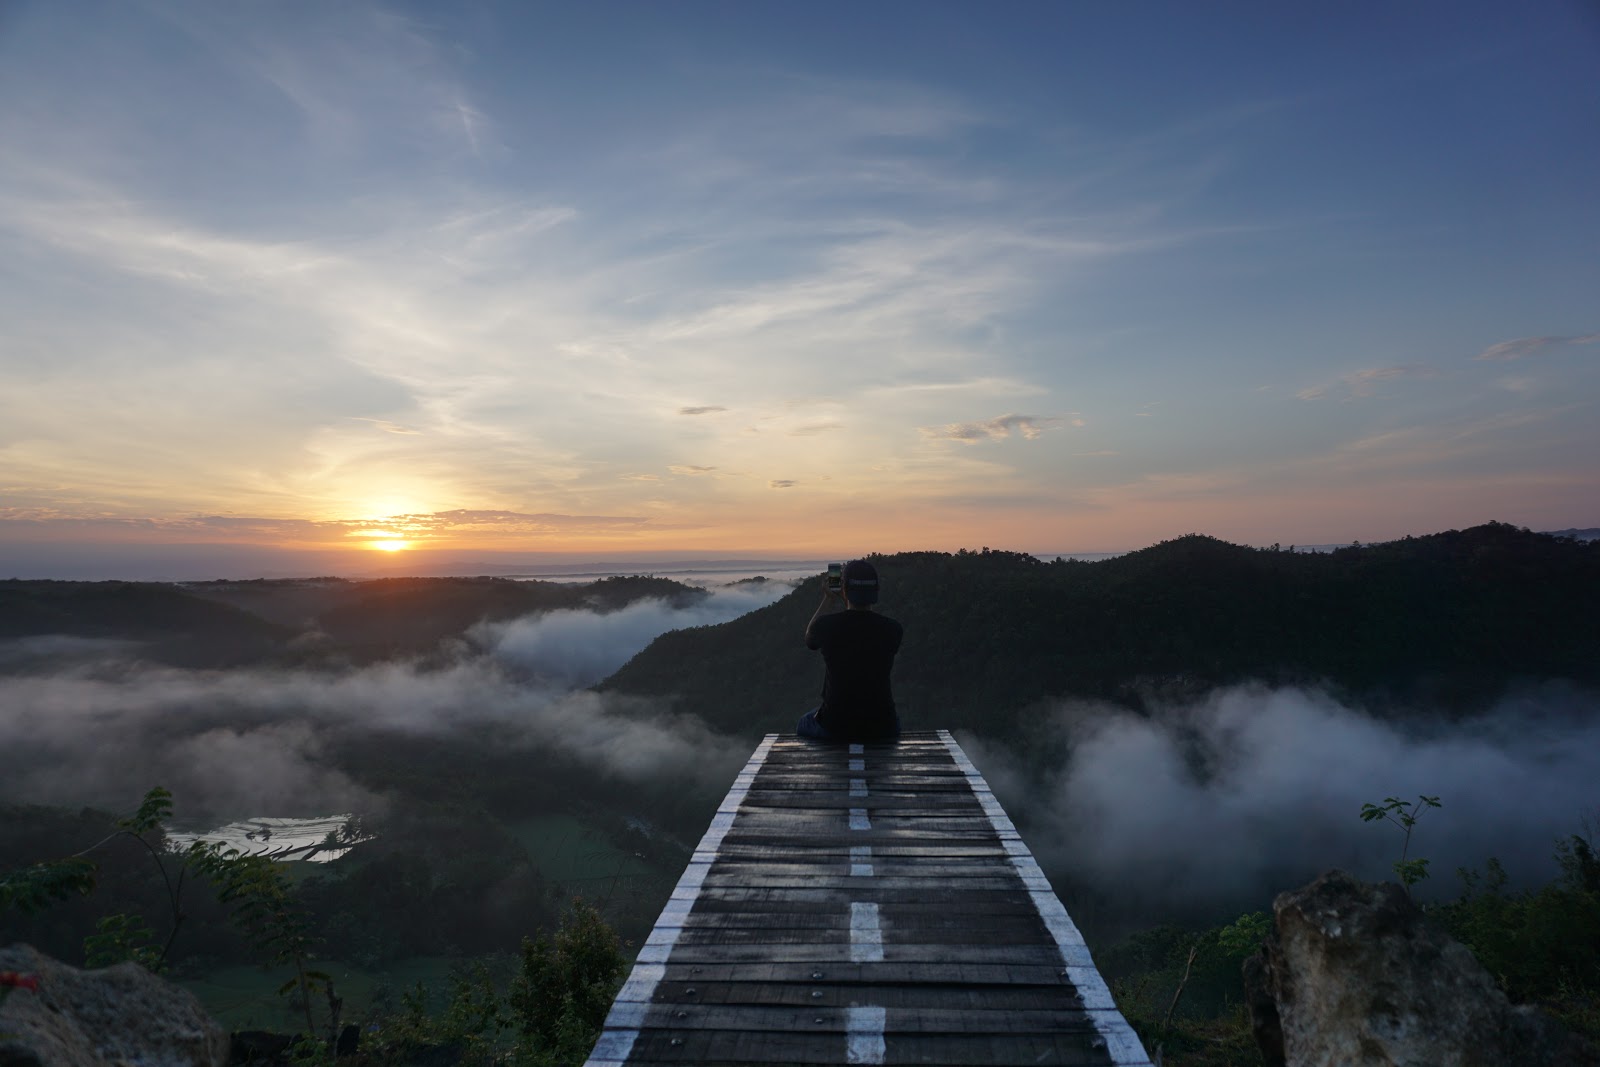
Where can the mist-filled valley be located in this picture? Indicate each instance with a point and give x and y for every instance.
(1179, 733)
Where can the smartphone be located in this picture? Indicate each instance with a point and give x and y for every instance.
(835, 576)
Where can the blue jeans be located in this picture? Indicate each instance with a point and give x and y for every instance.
(808, 726)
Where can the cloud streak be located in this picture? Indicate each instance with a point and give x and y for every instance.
(1524, 347)
(1364, 383)
(1029, 427)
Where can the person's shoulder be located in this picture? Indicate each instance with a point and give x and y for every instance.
(887, 624)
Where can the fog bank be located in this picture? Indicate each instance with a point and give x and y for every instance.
(579, 648)
(93, 725)
(1218, 805)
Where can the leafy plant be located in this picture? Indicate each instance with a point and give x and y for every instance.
(1244, 935)
(264, 907)
(118, 937)
(561, 998)
(1404, 815)
(551, 1014)
(122, 937)
(1542, 945)
(32, 889)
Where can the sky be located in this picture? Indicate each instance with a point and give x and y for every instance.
(296, 285)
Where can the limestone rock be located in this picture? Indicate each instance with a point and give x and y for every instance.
(121, 1016)
(1351, 975)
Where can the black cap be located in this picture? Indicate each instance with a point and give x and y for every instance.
(860, 582)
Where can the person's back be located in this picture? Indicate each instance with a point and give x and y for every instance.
(858, 647)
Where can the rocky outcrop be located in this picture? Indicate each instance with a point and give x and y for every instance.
(118, 1016)
(1352, 975)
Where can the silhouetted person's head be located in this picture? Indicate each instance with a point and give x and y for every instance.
(860, 583)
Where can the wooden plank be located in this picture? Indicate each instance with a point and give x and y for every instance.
(740, 849)
(729, 1048)
(815, 1018)
(1042, 955)
(841, 974)
(864, 904)
(932, 995)
(770, 899)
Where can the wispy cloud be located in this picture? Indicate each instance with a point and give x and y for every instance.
(1523, 347)
(782, 483)
(982, 386)
(811, 429)
(995, 429)
(1364, 383)
(704, 409)
(689, 469)
(386, 426)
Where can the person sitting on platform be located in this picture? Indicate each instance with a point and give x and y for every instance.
(858, 647)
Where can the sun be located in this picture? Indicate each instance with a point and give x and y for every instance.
(389, 546)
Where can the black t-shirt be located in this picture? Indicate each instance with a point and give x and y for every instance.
(858, 648)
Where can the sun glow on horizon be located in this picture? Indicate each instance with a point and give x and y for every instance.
(389, 546)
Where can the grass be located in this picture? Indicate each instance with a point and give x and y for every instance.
(1225, 1041)
(246, 998)
(574, 855)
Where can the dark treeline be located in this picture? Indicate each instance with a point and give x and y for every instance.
(301, 622)
(1448, 621)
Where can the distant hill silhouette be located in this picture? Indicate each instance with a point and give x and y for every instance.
(238, 623)
(173, 626)
(1448, 620)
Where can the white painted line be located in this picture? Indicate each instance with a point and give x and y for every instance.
(694, 876)
(1092, 988)
(641, 984)
(858, 787)
(860, 853)
(858, 765)
(866, 936)
(627, 1011)
(613, 1047)
(674, 913)
(859, 820)
(858, 750)
(1122, 1044)
(864, 1032)
(861, 870)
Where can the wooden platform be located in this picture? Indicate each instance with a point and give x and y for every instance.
(864, 904)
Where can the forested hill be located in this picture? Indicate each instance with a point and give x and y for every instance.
(300, 621)
(1449, 620)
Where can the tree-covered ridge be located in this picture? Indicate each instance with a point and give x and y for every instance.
(178, 627)
(301, 621)
(1452, 618)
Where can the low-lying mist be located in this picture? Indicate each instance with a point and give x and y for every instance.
(1212, 807)
(579, 648)
(94, 725)
(1192, 811)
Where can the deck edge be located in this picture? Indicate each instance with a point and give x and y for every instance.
(1121, 1043)
(621, 1027)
